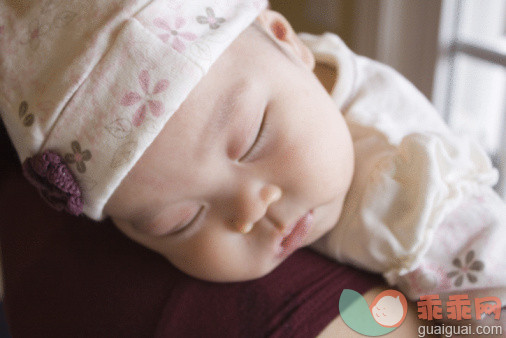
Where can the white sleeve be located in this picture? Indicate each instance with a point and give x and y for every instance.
(466, 254)
(401, 198)
(411, 170)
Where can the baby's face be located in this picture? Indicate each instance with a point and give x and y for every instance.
(258, 145)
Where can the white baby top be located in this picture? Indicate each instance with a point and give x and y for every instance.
(411, 172)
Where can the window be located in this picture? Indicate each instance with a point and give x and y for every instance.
(470, 80)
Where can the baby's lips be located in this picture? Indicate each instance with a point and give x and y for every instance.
(294, 239)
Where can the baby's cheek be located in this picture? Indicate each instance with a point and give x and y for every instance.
(207, 256)
(149, 229)
(317, 170)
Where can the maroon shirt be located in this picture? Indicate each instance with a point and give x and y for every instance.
(72, 277)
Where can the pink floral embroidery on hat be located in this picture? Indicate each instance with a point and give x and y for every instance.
(174, 33)
(155, 106)
(210, 19)
(78, 157)
(34, 33)
(27, 118)
(174, 4)
(37, 29)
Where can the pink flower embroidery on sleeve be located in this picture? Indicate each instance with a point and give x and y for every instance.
(174, 33)
(468, 269)
(147, 102)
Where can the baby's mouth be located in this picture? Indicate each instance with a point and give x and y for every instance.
(296, 235)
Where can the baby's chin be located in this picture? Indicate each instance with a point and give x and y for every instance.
(231, 276)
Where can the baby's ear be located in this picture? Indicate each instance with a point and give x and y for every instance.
(278, 27)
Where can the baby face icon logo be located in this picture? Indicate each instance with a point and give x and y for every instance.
(385, 314)
(389, 308)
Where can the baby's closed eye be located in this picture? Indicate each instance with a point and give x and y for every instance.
(257, 143)
(191, 219)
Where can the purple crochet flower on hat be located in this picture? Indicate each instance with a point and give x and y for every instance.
(55, 182)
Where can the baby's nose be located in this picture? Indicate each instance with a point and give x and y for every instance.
(255, 206)
(270, 193)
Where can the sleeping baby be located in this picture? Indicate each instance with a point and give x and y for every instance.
(204, 131)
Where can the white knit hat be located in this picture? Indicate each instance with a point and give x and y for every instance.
(95, 81)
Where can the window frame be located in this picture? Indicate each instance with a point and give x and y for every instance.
(452, 44)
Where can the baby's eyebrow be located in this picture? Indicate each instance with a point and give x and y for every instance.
(227, 104)
(231, 114)
(231, 101)
(222, 112)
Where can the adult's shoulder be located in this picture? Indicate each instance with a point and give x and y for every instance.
(71, 276)
(298, 299)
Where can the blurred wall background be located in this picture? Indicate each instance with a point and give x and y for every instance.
(402, 34)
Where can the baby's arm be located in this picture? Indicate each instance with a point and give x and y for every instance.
(467, 252)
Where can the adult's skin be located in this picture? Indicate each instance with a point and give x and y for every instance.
(409, 328)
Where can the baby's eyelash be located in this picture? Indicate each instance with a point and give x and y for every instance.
(259, 141)
(190, 223)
